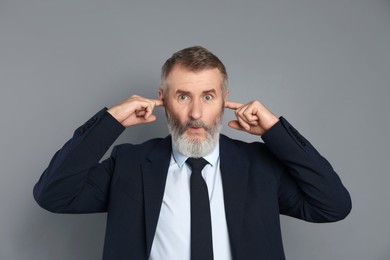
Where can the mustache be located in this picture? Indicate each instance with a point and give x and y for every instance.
(196, 123)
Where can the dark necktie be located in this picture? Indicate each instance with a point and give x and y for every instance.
(201, 237)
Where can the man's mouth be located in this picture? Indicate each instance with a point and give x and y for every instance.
(195, 129)
(196, 125)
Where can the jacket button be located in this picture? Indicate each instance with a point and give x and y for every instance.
(81, 131)
(91, 122)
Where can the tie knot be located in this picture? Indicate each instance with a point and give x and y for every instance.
(197, 163)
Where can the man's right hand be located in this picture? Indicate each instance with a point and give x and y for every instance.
(135, 110)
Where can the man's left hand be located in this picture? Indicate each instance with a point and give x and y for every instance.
(252, 117)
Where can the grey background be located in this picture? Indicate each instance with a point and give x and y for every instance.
(324, 65)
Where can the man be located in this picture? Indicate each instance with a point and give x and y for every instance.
(148, 189)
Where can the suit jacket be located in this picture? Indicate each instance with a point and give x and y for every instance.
(283, 175)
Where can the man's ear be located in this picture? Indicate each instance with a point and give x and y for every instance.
(161, 94)
(225, 95)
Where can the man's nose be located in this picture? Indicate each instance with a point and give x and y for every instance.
(196, 110)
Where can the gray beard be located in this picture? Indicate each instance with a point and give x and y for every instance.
(195, 147)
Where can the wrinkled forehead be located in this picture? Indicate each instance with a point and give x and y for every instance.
(194, 79)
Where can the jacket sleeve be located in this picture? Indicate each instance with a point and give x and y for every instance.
(309, 188)
(75, 181)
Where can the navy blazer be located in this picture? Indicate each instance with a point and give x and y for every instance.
(283, 175)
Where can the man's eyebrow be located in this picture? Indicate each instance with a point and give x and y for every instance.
(210, 91)
(180, 91)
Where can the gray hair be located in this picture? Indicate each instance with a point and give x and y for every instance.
(195, 59)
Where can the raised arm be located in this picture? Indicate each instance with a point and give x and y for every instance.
(75, 181)
(309, 188)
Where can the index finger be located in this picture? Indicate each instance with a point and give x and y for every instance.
(233, 105)
(149, 108)
(158, 103)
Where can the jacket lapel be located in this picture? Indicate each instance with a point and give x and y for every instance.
(154, 172)
(234, 171)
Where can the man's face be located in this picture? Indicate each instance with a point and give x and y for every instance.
(194, 104)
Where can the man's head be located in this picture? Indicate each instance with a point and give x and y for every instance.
(194, 59)
(193, 89)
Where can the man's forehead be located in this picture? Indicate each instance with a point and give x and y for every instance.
(207, 78)
(179, 69)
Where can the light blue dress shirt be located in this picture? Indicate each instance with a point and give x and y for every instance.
(173, 232)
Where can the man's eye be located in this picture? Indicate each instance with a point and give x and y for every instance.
(183, 97)
(208, 97)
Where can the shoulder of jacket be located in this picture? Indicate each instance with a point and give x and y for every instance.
(140, 148)
(241, 143)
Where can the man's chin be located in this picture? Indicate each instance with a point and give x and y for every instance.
(196, 138)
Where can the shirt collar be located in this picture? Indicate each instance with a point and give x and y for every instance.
(211, 158)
